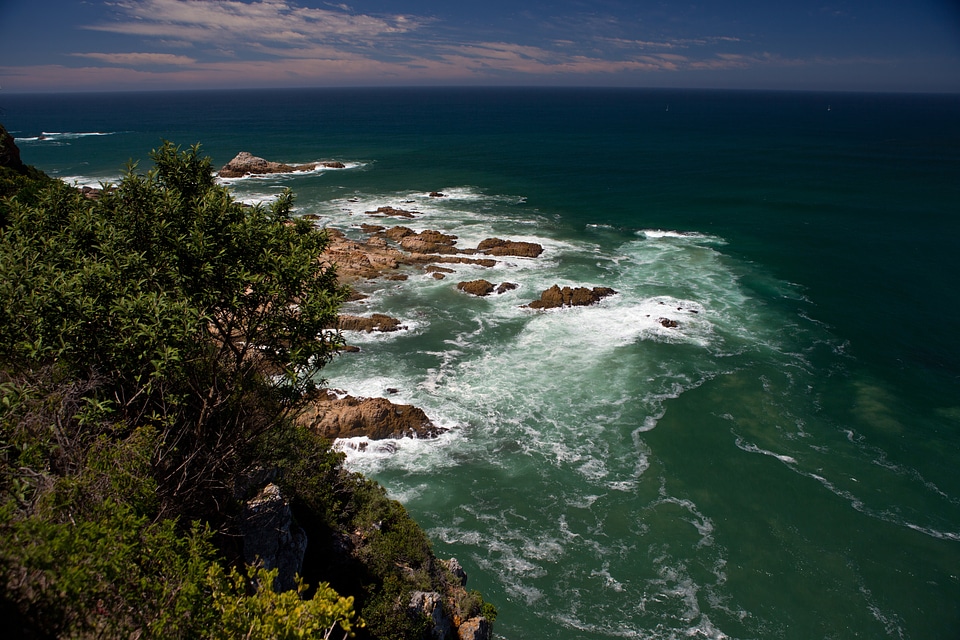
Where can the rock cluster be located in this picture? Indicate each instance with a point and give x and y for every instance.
(484, 287)
(569, 297)
(375, 322)
(248, 164)
(333, 416)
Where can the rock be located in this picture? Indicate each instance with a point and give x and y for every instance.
(506, 286)
(437, 194)
(245, 164)
(567, 297)
(498, 247)
(271, 537)
(377, 418)
(668, 323)
(376, 322)
(390, 211)
(371, 228)
(475, 629)
(453, 565)
(429, 241)
(476, 287)
(10, 152)
(430, 604)
(398, 233)
(432, 268)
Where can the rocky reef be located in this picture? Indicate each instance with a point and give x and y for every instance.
(245, 164)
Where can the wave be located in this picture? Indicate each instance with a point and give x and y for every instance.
(61, 137)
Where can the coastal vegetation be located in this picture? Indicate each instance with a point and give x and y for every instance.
(157, 340)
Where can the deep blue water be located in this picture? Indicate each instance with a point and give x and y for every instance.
(784, 464)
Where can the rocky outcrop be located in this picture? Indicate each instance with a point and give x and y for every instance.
(569, 297)
(429, 241)
(10, 152)
(375, 322)
(498, 247)
(245, 164)
(334, 417)
(476, 287)
(430, 604)
(271, 537)
(475, 629)
(506, 286)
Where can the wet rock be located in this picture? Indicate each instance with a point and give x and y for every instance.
(498, 247)
(437, 194)
(333, 417)
(506, 286)
(375, 322)
(476, 287)
(668, 323)
(570, 297)
(390, 211)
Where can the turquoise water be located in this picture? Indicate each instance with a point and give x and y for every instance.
(784, 464)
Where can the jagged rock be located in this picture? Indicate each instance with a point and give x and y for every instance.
(568, 297)
(430, 603)
(453, 565)
(498, 247)
(398, 233)
(432, 268)
(245, 164)
(475, 629)
(668, 323)
(376, 322)
(476, 287)
(377, 418)
(506, 286)
(390, 211)
(271, 537)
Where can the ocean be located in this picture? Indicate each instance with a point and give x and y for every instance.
(782, 463)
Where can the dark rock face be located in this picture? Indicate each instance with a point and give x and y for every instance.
(271, 537)
(498, 247)
(568, 297)
(430, 604)
(9, 152)
(248, 164)
(476, 287)
(376, 418)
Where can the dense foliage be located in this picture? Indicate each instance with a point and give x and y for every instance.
(155, 342)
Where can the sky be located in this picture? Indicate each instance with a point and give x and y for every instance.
(831, 45)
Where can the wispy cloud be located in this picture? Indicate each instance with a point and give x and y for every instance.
(137, 59)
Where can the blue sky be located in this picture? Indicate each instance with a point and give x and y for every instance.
(854, 45)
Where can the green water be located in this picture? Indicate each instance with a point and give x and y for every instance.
(783, 464)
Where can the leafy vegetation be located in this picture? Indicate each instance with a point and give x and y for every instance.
(155, 344)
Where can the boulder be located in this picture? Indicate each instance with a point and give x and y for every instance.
(506, 286)
(498, 247)
(245, 164)
(668, 323)
(271, 537)
(569, 297)
(476, 287)
(377, 418)
(437, 194)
